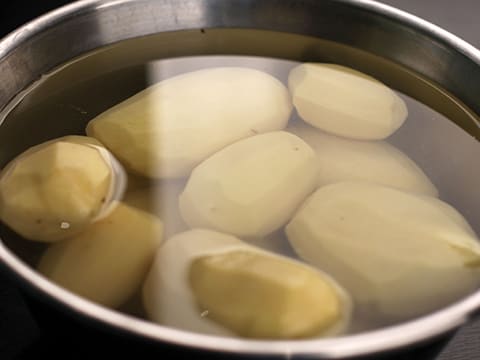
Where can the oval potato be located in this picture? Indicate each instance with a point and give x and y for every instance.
(252, 187)
(340, 159)
(167, 129)
(107, 262)
(173, 292)
(345, 102)
(54, 190)
(396, 252)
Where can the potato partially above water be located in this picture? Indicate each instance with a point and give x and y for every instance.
(398, 254)
(56, 189)
(167, 129)
(345, 102)
(252, 187)
(214, 283)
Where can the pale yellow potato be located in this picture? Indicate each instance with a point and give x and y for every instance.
(399, 254)
(345, 102)
(160, 199)
(108, 262)
(214, 283)
(252, 187)
(340, 159)
(167, 129)
(54, 190)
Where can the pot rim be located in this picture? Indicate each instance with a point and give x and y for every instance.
(390, 338)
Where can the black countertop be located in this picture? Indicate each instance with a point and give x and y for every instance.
(30, 330)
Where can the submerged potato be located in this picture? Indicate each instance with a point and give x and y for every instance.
(252, 187)
(107, 262)
(54, 190)
(345, 102)
(169, 128)
(210, 282)
(160, 199)
(341, 159)
(397, 253)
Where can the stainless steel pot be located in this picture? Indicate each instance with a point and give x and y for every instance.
(423, 61)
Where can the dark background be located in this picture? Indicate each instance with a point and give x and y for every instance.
(30, 330)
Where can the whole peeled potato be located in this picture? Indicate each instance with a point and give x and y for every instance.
(167, 129)
(109, 260)
(340, 159)
(214, 283)
(252, 187)
(345, 102)
(54, 190)
(398, 253)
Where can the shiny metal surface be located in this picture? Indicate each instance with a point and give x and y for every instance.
(423, 48)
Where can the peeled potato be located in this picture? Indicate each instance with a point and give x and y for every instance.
(54, 190)
(210, 282)
(78, 139)
(161, 200)
(345, 102)
(252, 187)
(397, 253)
(341, 159)
(169, 128)
(109, 261)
